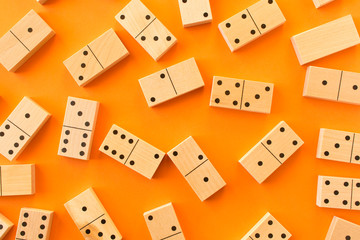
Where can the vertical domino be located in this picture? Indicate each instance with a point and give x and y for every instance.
(132, 151)
(320, 3)
(195, 12)
(147, 30)
(96, 58)
(16, 180)
(341, 229)
(23, 40)
(5, 226)
(325, 40)
(271, 152)
(78, 128)
(171, 82)
(196, 168)
(251, 23)
(241, 94)
(91, 218)
(20, 127)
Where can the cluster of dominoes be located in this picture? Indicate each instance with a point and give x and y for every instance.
(31, 32)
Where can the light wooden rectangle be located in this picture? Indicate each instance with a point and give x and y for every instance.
(41, 1)
(338, 192)
(147, 30)
(325, 39)
(271, 152)
(320, 3)
(171, 82)
(6, 225)
(196, 168)
(194, 13)
(17, 180)
(162, 223)
(34, 224)
(241, 94)
(251, 23)
(342, 229)
(267, 225)
(90, 216)
(78, 128)
(96, 58)
(23, 40)
(131, 151)
(20, 127)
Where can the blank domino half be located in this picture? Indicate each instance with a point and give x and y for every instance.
(78, 128)
(341, 229)
(195, 12)
(5, 226)
(20, 127)
(131, 151)
(241, 94)
(251, 23)
(17, 179)
(338, 192)
(96, 58)
(320, 3)
(267, 228)
(326, 39)
(332, 85)
(23, 40)
(91, 218)
(196, 168)
(271, 152)
(339, 146)
(171, 82)
(147, 30)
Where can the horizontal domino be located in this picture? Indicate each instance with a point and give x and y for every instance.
(91, 218)
(332, 85)
(341, 229)
(271, 152)
(267, 228)
(194, 13)
(338, 192)
(5, 226)
(17, 180)
(24, 39)
(131, 151)
(320, 3)
(196, 168)
(20, 127)
(41, 1)
(96, 58)
(339, 146)
(251, 23)
(171, 82)
(34, 224)
(241, 94)
(325, 40)
(147, 30)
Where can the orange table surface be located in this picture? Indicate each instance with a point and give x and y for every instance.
(224, 135)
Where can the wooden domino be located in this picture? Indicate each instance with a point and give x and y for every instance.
(339, 146)
(23, 40)
(195, 12)
(320, 3)
(326, 39)
(338, 192)
(171, 82)
(147, 30)
(34, 224)
(131, 151)
(267, 228)
(251, 23)
(16, 180)
(20, 127)
(91, 218)
(78, 128)
(196, 168)
(5, 226)
(96, 58)
(241, 94)
(332, 85)
(341, 229)
(41, 1)
(271, 152)
(163, 223)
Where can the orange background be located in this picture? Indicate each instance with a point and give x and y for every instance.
(224, 135)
